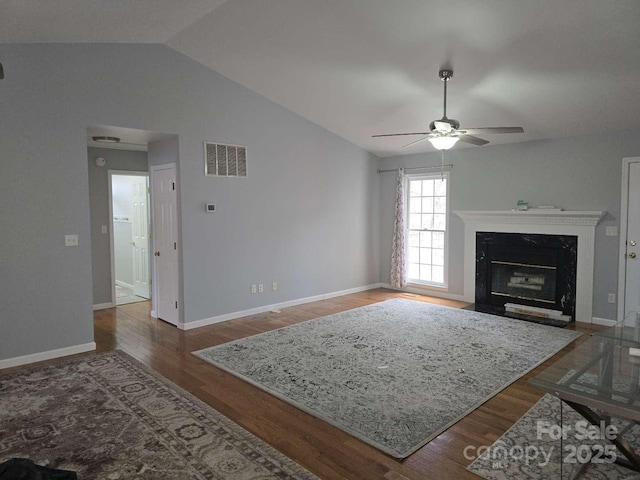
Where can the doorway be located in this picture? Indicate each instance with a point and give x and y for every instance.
(629, 267)
(128, 152)
(129, 213)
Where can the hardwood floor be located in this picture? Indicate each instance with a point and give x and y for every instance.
(319, 447)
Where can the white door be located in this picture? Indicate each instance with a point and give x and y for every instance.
(630, 248)
(165, 242)
(140, 233)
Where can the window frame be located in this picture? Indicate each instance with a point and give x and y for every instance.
(429, 176)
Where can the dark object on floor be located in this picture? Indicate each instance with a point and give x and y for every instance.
(25, 469)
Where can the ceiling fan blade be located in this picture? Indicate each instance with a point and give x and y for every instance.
(416, 141)
(400, 134)
(472, 140)
(442, 126)
(489, 130)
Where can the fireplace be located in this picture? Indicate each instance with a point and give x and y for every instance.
(521, 271)
(580, 224)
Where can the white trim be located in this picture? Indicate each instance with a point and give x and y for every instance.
(430, 176)
(535, 216)
(603, 321)
(102, 306)
(580, 224)
(48, 355)
(265, 308)
(427, 292)
(624, 214)
(153, 314)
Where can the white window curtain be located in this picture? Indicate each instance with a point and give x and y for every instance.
(398, 253)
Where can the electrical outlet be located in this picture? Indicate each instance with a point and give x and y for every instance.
(260, 288)
(611, 298)
(254, 289)
(274, 286)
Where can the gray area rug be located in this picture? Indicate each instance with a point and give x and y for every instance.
(108, 417)
(527, 453)
(394, 374)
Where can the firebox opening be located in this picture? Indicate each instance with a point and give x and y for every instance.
(524, 281)
(531, 273)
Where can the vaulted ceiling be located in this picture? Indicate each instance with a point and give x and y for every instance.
(362, 67)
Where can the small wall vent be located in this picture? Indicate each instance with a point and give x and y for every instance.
(221, 160)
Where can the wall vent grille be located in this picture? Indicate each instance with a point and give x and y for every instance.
(221, 160)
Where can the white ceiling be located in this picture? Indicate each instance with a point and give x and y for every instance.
(363, 67)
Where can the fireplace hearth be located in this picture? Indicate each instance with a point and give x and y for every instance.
(523, 271)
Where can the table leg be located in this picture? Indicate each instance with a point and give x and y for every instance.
(631, 460)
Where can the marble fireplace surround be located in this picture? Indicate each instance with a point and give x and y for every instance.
(550, 222)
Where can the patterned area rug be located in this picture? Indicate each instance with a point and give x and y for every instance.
(108, 417)
(394, 374)
(528, 451)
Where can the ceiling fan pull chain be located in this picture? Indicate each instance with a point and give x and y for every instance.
(442, 163)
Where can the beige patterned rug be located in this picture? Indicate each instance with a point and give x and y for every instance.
(394, 374)
(527, 451)
(108, 417)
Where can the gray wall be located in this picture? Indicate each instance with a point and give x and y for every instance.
(99, 212)
(306, 216)
(579, 173)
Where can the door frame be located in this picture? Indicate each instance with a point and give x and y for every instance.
(110, 175)
(624, 214)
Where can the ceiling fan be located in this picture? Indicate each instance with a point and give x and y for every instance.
(444, 133)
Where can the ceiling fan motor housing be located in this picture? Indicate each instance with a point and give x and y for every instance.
(445, 74)
(455, 124)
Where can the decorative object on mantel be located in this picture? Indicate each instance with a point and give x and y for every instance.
(521, 206)
(548, 207)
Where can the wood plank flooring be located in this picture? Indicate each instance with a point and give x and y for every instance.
(319, 447)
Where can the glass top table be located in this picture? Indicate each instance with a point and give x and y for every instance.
(600, 380)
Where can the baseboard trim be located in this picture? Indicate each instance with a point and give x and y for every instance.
(102, 306)
(48, 355)
(603, 321)
(153, 314)
(426, 292)
(276, 306)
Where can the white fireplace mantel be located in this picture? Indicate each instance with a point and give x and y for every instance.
(535, 216)
(542, 221)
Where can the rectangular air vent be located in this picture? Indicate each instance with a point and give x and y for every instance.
(222, 160)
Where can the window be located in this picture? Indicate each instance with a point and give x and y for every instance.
(427, 208)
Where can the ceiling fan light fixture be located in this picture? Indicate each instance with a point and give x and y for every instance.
(104, 139)
(443, 143)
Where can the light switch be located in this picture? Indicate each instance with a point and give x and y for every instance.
(104, 229)
(612, 231)
(71, 240)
